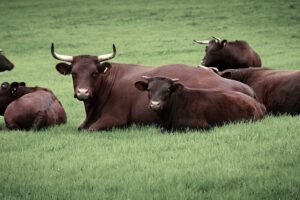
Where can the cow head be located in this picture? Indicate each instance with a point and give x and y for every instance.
(7, 94)
(85, 71)
(159, 90)
(5, 64)
(213, 51)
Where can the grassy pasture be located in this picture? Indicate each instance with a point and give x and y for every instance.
(238, 161)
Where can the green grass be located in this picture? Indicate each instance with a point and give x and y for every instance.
(258, 160)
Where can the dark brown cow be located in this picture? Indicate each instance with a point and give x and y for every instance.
(278, 90)
(7, 94)
(5, 64)
(31, 107)
(225, 54)
(179, 107)
(108, 92)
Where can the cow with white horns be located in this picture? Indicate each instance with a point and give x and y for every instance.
(108, 92)
(224, 54)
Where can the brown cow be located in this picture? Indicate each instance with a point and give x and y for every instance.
(5, 64)
(278, 90)
(179, 107)
(108, 92)
(31, 107)
(6, 94)
(225, 54)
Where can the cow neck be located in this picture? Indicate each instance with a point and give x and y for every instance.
(94, 106)
(21, 91)
(168, 116)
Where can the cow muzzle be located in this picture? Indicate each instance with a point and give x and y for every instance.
(155, 105)
(82, 94)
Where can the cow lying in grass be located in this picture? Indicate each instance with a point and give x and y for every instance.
(108, 93)
(278, 90)
(29, 107)
(179, 107)
(225, 54)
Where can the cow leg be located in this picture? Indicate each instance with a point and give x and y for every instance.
(107, 122)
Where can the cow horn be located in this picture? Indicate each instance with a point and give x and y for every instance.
(59, 56)
(175, 79)
(201, 42)
(216, 38)
(104, 57)
(146, 77)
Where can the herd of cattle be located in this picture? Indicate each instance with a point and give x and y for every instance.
(230, 86)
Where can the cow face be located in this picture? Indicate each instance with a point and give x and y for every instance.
(159, 90)
(87, 72)
(5, 64)
(7, 94)
(214, 53)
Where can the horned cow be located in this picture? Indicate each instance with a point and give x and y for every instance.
(224, 54)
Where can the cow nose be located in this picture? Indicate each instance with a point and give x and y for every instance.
(10, 67)
(155, 105)
(82, 93)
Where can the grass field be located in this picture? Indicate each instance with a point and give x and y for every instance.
(238, 161)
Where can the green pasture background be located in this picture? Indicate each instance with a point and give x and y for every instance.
(258, 160)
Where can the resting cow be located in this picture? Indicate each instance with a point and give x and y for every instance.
(225, 54)
(179, 107)
(5, 64)
(108, 92)
(30, 107)
(278, 90)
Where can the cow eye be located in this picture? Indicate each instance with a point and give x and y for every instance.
(95, 74)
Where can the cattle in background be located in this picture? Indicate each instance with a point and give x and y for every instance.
(179, 107)
(5, 64)
(108, 93)
(278, 90)
(225, 54)
(30, 107)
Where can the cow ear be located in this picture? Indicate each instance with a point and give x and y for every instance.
(104, 67)
(177, 88)
(141, 85)
(223, 43)
(64, 68)
(22, 84)
(226, 75)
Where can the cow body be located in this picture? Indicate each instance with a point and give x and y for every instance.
(109, 95)
(278, 90)
(224, 54)
(32, 108)
(5, 64)
(197, 108)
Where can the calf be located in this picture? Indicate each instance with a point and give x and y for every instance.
(278, 90)
(5, 64)
(179, 107)
(225, 54)
(30, 107)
